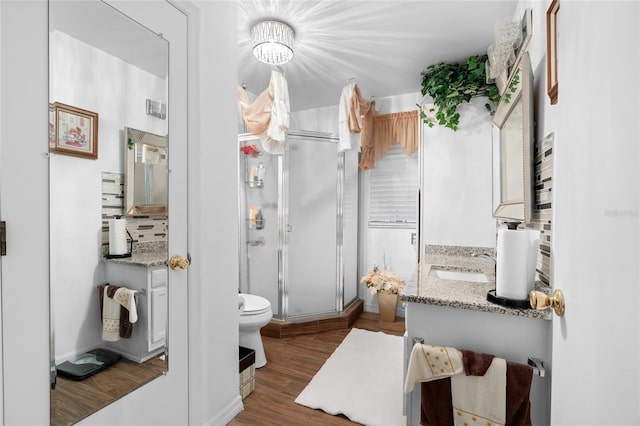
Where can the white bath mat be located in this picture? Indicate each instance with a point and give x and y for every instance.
(362, 379)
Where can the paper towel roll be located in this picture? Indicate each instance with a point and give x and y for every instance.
(117, 236)
(534, 247)
(513, 263)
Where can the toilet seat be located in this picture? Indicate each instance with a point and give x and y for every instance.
(256, 314)
(255, 305)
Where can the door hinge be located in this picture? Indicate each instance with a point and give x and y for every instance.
(3, 238)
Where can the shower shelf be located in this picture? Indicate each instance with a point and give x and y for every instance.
(255, 183)
(258, 224)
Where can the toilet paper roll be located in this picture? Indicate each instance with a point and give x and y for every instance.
(117, 236)
(513, 263)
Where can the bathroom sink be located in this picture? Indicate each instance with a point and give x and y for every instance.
(476, 277)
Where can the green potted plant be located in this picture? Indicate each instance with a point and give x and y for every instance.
(452, 84)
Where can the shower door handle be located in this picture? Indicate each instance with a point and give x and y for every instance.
(288, 228)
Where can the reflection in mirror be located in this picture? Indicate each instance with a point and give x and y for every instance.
(108, 316)
(512, 148)
(146, 171)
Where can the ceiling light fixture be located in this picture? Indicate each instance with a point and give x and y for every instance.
(272, 42)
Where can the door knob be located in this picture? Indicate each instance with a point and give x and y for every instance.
(179, 262)
(538, 300)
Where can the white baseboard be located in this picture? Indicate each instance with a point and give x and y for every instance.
(228, 413)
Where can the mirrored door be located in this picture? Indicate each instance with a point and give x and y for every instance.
(109, 280)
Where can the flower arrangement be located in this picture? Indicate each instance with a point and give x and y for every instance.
(383, 280)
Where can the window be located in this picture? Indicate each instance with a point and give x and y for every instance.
(393, 190)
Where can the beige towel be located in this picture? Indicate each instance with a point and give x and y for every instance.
(473, 398)
(111, 312)
(110, 318)
(476, 398)
(428, 362)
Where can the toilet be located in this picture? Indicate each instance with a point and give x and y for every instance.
(255, 313)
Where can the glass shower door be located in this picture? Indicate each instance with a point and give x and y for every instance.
(311, 216)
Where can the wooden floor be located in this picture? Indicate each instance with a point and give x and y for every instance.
(291, 364)
(72, 401)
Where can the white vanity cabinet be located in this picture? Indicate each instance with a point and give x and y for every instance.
(149, 332)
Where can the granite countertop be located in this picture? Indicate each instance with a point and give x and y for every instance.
(431, 290)
(141, 259)
(145, 254)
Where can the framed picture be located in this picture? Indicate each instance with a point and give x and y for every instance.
(76, 131)
(552, 59)
(52, 127)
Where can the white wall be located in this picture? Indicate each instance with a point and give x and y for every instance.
(213, 216)
(88, 78)
(316, 120)
(457, 181)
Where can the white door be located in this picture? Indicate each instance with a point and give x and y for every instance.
(24, 206)
(596, 350)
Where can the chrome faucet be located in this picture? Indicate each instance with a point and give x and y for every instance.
(488, 256)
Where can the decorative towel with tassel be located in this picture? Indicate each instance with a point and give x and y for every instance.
(118, 310)
(491, 390)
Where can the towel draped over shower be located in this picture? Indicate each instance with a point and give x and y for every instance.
(363, 129)
(268, 115)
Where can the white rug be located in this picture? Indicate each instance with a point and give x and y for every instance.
(362, 379)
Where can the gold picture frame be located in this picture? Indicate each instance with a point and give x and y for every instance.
(76, 131)
(552, 58)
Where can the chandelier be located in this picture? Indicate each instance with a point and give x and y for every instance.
(272, 42)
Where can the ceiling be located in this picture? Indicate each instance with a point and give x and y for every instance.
(383, 45)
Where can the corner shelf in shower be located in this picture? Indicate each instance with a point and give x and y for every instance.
(255, 183)
(259, 224)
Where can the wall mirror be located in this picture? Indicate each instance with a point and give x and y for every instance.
(146, 169)
(105, 66)
(512, 146)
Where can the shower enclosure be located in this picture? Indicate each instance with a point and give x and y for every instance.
(298, 228)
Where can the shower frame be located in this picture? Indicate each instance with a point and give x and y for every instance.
(283, 312)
